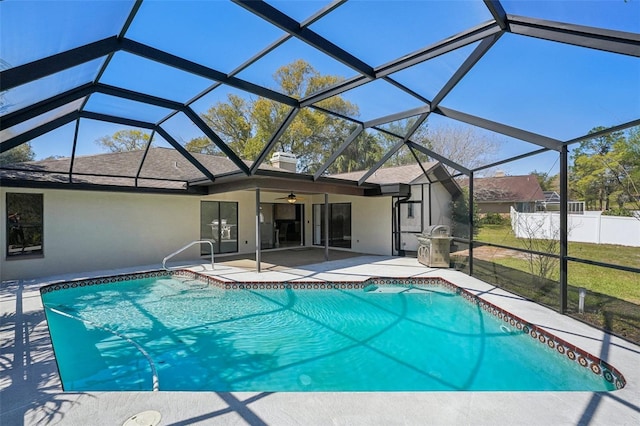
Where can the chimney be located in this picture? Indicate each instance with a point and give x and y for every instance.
(284, 160)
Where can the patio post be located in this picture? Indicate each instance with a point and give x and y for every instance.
(564, 237)
(326, 226)
(258, 242)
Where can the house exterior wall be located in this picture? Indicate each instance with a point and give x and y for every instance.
(505, 207)
(440, 205)
(436, 205)
(90, 231)
(484, 208)
(370, 222)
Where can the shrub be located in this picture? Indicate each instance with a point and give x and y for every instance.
(494, 219)
(618, 212)
(460, 216)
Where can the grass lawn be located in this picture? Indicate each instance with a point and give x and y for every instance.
(619, 284)
(613, 297)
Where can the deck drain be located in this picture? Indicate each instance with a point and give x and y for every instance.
(146, 418)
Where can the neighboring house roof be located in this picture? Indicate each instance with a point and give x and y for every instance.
(551, 197)
(407, 174)
(503, 189)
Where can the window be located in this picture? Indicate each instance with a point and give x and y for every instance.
(339, 225)
(24, 225)
(410, 210)
(219, 224)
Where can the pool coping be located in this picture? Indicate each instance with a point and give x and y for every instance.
(47, 404)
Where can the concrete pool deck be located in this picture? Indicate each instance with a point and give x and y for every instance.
(30, 390)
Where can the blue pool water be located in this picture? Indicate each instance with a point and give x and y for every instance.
(200, 337)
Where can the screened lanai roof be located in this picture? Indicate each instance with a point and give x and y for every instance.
(534, 76)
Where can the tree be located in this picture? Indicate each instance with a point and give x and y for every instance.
(19, 154)
(246, 125)
(464, 145)
(606, 169)
(361, 154)
(544, 179)
(460, 216)
(540, 235)
(125, 140)
(403, 155)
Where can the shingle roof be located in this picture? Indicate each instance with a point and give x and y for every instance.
(399, 174)
(163, 168)
(506, 188)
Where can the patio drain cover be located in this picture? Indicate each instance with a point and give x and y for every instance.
(146, 418)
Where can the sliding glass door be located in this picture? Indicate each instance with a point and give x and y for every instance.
(281, 225)
(339, 225)
(219, 224)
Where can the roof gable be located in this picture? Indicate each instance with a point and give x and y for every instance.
(408, 173)
(506, 189)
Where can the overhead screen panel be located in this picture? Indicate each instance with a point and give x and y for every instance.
(145, 76)
(183, 130)
(193, 30)
(295, 56)
(125, 108)
(31, 31)
(55, 148)
(162, 162)
(40, 120)
(467, 145)
(312, 136)
(388, 31)
(553, 89)
(612, 15)
(429, 77)
(244, 122)
(28, 94)
(373, 100)
(299, 10)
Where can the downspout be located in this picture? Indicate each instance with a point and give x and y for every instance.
(397, 214)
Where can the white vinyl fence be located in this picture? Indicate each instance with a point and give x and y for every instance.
(590, 227)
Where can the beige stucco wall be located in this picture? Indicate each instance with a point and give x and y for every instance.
(92, 231)
(89, 231)
(370, 222)
(435, 198)
(440, 204)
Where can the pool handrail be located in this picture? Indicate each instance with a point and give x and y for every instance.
(164, 261)
(154, 372)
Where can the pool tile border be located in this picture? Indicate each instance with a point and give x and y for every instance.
(543, 337)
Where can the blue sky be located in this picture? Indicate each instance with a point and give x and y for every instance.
(556, 90)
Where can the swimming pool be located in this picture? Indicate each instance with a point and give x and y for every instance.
(377, 335)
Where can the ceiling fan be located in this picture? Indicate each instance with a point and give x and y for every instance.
(291, 198)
